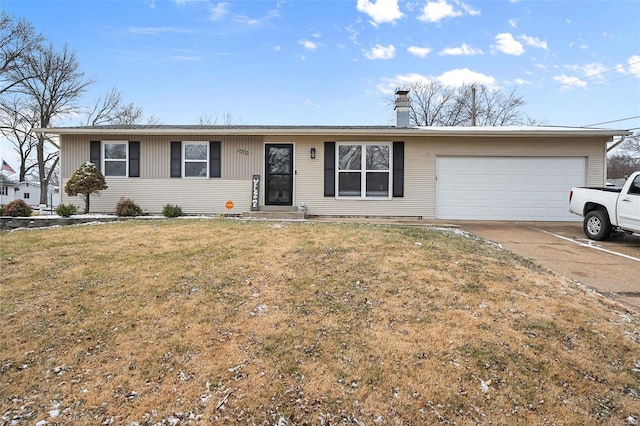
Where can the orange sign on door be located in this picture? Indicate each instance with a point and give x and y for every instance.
(229, 205)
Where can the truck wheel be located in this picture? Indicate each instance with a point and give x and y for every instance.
(596, 225)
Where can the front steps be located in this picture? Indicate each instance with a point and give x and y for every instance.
(275, 213)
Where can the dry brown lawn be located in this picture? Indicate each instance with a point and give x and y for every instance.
(216, 321)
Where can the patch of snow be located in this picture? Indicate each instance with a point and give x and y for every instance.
(455, 231)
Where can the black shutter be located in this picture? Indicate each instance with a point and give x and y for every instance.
(329, 169)
(398, 169)
(215, 160)
(94, 153)
(134, 159)
(176, 159)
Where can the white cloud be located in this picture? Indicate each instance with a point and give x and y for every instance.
(589, 70)
(256, 22)
(380, 11)
(464, 50)
(513, 23)
(420, 52)
(452, 78)
(632, 67)
(219, 10)
(381, 52)
(435, 11)
(534, 42)
(520, 82)
(309, 45)
(353, 35)
(508, 45)
(277, 48)
(568, 82)
(462, 76)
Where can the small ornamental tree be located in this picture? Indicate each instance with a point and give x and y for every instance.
(86, 181)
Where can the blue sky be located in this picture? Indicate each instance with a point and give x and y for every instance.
(336, 62)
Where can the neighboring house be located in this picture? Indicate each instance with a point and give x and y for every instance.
(7, 190)
(28, 191)
(478, 173)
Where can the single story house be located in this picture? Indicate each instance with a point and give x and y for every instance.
(470, 173)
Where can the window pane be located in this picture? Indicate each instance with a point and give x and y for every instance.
(377, 157)
(278, 188)
(635, 186)
(349, 157)
(195, 152)
(349, 184)
(115, 151)
(378, 184)
(195, 169)
(278, 160)
(115, 168)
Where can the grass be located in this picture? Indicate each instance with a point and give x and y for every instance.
(226, 322)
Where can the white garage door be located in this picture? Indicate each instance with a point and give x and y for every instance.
(507, 188)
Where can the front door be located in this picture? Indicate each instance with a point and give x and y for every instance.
(278, 174)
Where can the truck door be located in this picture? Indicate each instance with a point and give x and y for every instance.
(629, 207)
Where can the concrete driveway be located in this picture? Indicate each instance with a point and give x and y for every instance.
(612, 267)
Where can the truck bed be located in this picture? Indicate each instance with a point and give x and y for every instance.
(617, 189)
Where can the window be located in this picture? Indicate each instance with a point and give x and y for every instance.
(115, 156)
(26, 196)
(196, 159)
(364, 170)
(4, 190)
(635, 186)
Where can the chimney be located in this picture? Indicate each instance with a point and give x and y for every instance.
(401, 106)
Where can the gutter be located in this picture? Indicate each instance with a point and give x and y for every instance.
(337, 131)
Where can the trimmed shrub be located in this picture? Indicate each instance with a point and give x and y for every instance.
(66, 210)
(128, 207)
(17, 208)
(170, 210)
(1, 209)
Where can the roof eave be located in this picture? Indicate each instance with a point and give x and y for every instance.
(364, 131)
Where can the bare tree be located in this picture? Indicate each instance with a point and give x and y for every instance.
(110, 110)
(104, 109)
(17, 41)
(434, 104)
(18, 118)
(621, 165)
(632, 144)
(209, 120)
(54, 89)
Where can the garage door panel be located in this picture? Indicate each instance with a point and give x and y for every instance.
(507, 188)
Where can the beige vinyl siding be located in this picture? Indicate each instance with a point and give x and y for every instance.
(309, 181)
(195, 196)
(420, 170)
(241, 155)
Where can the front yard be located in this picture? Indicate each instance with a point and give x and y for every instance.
(214, 321)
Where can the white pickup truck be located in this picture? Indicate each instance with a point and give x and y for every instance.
(608, 209)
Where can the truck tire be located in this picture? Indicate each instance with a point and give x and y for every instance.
(596, 225)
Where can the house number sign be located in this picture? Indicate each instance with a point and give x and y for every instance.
(255, 192)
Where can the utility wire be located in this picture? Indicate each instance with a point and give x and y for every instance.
(619, 67)
(613, 121)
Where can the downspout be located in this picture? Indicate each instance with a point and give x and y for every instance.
(622, 139)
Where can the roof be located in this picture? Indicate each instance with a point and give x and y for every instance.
(494, 131)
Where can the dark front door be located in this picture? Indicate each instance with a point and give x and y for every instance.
(278, 174)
